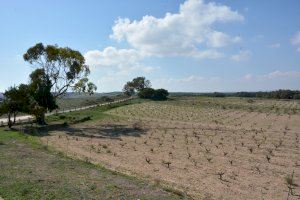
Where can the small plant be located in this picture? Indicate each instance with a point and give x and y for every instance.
(189, 155)
(148, 160)
(93, 187)
(207, 150)
(137, 126)
(289, 179)
(291, 185)
(258, 145)
(168, 163)
(220, 174)
(270, 151)
(209, 159)
(250, 149)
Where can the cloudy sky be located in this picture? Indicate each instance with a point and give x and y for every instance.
(192, 45)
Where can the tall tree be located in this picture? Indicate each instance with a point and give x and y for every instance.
(42, 100)
(65, 68)
(135, 85)
(16, 100)
(59, 69)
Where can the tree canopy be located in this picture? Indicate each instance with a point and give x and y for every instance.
(58, 70)
(65, 68)
(138, 83)
(16, 100)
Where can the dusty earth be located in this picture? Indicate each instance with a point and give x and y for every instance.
(207, 152)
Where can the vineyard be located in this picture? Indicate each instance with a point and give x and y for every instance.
(203, 148)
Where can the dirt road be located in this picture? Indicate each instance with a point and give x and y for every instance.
(3, 121)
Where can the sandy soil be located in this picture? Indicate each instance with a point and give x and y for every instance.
(207, 153)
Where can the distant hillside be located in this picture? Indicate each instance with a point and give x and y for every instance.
(71, 95)
(278, 94)
(1, 96)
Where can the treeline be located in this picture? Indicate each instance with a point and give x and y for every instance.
(141, 87)
(278, 94)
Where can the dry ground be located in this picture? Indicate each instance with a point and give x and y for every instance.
(29, 171)
(209, 151)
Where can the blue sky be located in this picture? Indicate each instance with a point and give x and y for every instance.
(220, 45)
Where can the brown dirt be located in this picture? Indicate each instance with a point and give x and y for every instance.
(211, 153)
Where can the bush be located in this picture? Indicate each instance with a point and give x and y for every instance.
(106, 99)
(161, 94)
(150, 93)
(146, 93)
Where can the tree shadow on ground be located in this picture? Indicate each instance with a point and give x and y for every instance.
(109, 130)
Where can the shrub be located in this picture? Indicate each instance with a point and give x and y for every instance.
(146, 93)
(150, 93)
(161, 94)
(106, 99)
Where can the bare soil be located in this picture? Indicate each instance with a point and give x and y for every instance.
(208, 153)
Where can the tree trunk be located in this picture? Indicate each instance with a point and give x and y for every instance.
(15, 116)
(41, 119)
(9, 122)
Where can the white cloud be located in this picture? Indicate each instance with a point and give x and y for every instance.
(274, 46)
(123, 60)
(248, 77)
(195, 83)
(242, 56)
(191, 78)
(295, 40)
(190, 32)
(280, 74)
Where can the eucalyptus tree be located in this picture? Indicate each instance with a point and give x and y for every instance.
(58, 70)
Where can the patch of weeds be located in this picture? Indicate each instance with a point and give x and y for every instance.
(62, 117)
(111, 187)
(289, 179)
(83, 119)
(174, 191)
(93, 187)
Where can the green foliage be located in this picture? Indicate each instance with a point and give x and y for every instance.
(146, 93)
(136, 84)
(289, 180)
(95, 113)
(65, 68)
(106, 99)
(150, 93)
(40, 91)
(16, 100)
(59, 69)
(161, 94)
(278, 94)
